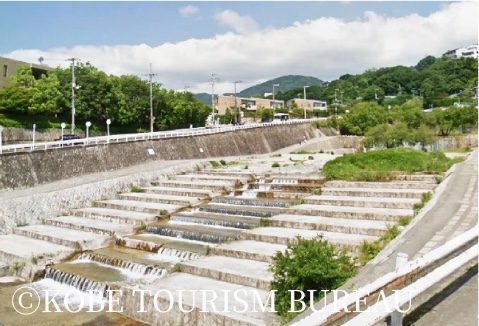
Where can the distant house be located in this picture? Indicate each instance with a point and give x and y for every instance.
(8, 68)
(246, 103)
(307, 104)
(470, 51)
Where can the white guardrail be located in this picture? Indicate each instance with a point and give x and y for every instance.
(330, 314)
(140, 136)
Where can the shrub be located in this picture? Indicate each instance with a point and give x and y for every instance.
(223, 162)
(275, 165)
(246, 167)
(310, 157)
(215, 164)
(308, 264)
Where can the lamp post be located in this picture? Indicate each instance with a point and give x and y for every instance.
(87, 124)
(33, 137)
(1, 131)
(236, 108)
(63, 125)
(108, 122)
(274, 85)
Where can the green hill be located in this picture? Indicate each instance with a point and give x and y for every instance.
(286, 83)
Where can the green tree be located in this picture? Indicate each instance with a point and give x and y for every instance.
(410, 113)
(361, 117)
(424, 136)
(309, 264)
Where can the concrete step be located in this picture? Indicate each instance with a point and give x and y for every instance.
(91, 225)
(205, 185)
(160, 199)
(285, 236)
(256, 202)
(363, 213)
(430, 178)
(406, 203)
(247, 249)
(374, 192)
(201, 177)
(202, 233)
(64, 237)
(381, 185)
(242, 210)
(17, 248)
(232, 221)
(330, 224)
(198, 193)
(231, 310)
(137, 206)
(115, 215)
(239, 271)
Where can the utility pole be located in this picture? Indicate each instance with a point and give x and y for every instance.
(73, 92)
(274, 105)
(151, 74)
(212, 81)
(236, 108)
(304, 97)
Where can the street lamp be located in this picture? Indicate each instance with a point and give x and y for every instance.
(87, 124)
(63, 125)
(33, 139)
(236, 108)
(274, 85)
(1, 130)
(108, 121)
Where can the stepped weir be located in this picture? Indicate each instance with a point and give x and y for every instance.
(184, 232)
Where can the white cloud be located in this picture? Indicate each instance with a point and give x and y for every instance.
(325, 48)
(188, 10)
(240, 24)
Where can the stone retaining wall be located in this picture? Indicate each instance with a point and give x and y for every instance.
(24, 170)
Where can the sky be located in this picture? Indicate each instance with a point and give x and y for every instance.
(249, 41)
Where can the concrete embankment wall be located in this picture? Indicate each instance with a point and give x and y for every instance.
(23, 170)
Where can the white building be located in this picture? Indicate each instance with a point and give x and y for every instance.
(470, 51)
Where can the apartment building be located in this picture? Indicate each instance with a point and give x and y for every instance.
(250, 104)
(8, 68)
(470, 51)
(307, 104)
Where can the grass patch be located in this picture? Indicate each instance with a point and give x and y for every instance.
(466, 149)
(134, 188)
(317, 191)
(302, 152)
(369, 250)
(382, 165)
(15, 267)
(215, 164)
(22, 223)
(404, 220)
(425, 197)
(264, 222)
